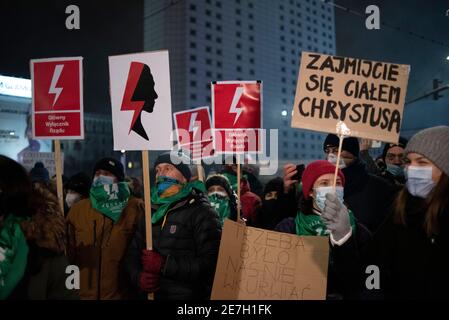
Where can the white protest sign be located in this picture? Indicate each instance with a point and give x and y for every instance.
(141, 101)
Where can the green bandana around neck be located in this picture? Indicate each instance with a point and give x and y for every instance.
(14, 255)
(221, 205)
(110, 199)
(164, 203)
(312, 225)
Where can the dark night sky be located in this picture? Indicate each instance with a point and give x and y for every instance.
(426, 18)
(36, 29)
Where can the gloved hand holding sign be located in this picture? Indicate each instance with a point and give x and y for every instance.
(336, 217)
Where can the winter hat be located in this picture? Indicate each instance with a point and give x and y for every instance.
(432, 143)
(350, 144)
(315, 170)
(276, 184)
(219, 180)
(39, 173)
(402, 143)
(178, 162)
(79, 183)
(111, 165)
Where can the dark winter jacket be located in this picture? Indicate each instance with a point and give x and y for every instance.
(45, 277)
(345, 276)
(190, 240)
(45, 274)
(412, 265)
(368, 196)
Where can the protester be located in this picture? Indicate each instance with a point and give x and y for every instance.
(367, 196)
(221, 196)
(77, 188)
(39, 175)
(393, 157)
(411, 247)
(269, 212)
(100, 229)
(186, 237)
(32, 233)
(323, 213)
(391, 166)
(250, 202)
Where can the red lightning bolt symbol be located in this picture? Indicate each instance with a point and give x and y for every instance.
(135, 70)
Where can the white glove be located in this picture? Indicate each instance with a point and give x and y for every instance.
(336, 217)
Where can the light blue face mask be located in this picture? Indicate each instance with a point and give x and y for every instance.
(320, 195)
(102, 180)
(419, 181)
(395, 170)
(332, 158)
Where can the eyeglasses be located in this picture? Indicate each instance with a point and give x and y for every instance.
(392, 156)
(328, 150)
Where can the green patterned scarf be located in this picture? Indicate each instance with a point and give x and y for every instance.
(110, 199)
(164, 203)
(13, 255)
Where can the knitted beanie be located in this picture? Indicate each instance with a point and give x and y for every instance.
(432, 143)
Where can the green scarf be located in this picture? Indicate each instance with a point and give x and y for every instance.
(164, 203)
(312, 225)
(14, 255)
(110, 199)
(221, 205)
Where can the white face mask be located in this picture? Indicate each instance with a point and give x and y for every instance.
(71, 198)
(102, 180)
(332, 158)
(419, 181)
(218, 193)
(320, 195)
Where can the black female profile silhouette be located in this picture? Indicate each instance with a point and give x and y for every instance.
(139, 95)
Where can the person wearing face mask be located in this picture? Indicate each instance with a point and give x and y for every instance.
(412, 245)
(368, 196)
(322, 212)
(77, 188)
(100, 229)
(221, 196)
(269, 213)
(394, 159)
(186, 234)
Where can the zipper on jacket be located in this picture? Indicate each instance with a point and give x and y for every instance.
(94, 245)
(100, 262)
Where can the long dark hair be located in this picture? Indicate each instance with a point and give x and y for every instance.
(15, 189)
(435, 204)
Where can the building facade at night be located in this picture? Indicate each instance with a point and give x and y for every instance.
(212, 40)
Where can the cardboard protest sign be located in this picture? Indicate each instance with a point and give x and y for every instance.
(141, 101)
(57, 104)
(29, 158)
(237, 116)
(258, 264)
(194, 131)
(368, 96)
